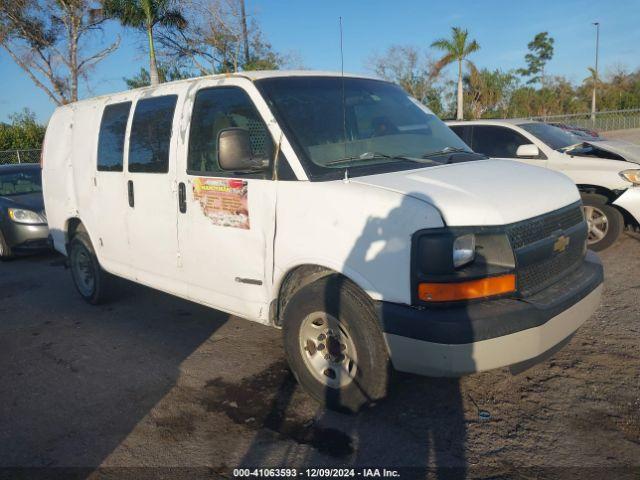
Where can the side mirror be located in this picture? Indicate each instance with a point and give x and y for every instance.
(528, 151)
(234, 151)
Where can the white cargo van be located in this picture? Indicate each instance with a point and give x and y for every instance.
(337, 208)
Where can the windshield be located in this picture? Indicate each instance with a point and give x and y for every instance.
(20, 182)
(554, 137)
(378, 124)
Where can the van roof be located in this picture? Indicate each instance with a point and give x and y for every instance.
(250, 75)
(491, 121)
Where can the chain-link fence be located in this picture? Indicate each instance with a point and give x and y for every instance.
(19, 156)
(601, 121)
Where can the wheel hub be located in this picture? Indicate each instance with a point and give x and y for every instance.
(328, 350)
(597, 223)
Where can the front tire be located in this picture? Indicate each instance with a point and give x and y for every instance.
(334, 344)
(5, 249)
(89, 278)
(605, 222)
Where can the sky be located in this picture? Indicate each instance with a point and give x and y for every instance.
(309, 30)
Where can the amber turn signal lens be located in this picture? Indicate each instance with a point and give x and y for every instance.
(451, 292)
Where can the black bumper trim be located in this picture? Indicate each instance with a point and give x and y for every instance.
(473, 322)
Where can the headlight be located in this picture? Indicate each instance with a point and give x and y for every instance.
(632, 176)
(464, 250)
(19, 215)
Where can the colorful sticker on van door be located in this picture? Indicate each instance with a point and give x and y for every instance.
(224, 201)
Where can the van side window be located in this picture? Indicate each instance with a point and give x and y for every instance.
(113, 127)
(151, 134)
(498, 142)
(218, 108)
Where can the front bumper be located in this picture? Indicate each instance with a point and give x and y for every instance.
(26, 238)
(630, 201)
(496, 333)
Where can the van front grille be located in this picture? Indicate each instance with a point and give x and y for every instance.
(536, 239)
(537, 228)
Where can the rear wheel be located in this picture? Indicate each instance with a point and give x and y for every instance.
(89, 278)
(334, 344)
(5, 249)
(605, 222)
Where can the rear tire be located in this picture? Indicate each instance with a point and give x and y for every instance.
(90, 279)
(5, 249)
(334, 344)
(605, 222)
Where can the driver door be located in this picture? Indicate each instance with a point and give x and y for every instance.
(226, 220)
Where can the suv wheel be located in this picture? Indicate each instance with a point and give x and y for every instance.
(604, 221)
(334, 344)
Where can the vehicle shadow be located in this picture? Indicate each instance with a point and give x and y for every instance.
(420, 427)
(78, 379)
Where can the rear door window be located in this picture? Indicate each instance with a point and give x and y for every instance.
(150, 137)
(113, 127)
(494, 141)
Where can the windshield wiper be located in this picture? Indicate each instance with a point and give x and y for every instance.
(568, 148)
(445, 151)
(369, 156)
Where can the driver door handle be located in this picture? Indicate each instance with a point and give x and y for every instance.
(182, 198)
(130, 193)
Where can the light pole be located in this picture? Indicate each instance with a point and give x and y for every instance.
(595, 79)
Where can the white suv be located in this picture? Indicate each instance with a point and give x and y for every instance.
(339, 209)
(606, 174)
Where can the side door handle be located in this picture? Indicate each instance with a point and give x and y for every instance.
(182, 198)
(130, 193)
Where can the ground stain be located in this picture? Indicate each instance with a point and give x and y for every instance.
(262, 402)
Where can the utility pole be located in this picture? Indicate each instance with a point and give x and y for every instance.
(595, 80)
(245, 33)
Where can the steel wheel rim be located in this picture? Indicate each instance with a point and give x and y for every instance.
(597, 222)
(328, 350)
(83, 271)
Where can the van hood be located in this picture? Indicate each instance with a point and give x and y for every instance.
(485, 192)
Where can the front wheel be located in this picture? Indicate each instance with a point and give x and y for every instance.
(5, 249)
(605, 222)
(334, 344)
(89, 278)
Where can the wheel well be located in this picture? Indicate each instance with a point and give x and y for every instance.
(611, 196)
(293, 281)
(73, 225)
(605, 192)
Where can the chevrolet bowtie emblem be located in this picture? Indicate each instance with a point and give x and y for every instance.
(561, 244)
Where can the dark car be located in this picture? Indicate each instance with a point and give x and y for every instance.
(23, 223)
(579, 131)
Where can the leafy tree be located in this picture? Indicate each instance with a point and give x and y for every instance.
(165, 74)
(220, 38)
(146, 15)
(540, 52)
(413, 71)
(24, 132)
(456, 49)
(488, 92)
(47, 39)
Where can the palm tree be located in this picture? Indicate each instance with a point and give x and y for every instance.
(456, 49)
(146, 15)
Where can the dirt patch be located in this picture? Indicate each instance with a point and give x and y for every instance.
(262, 401)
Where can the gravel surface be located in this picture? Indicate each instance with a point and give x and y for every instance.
(150, 380)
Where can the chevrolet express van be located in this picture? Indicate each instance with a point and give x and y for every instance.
(337, 208)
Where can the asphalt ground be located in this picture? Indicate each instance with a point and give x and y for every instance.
(153, 385)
